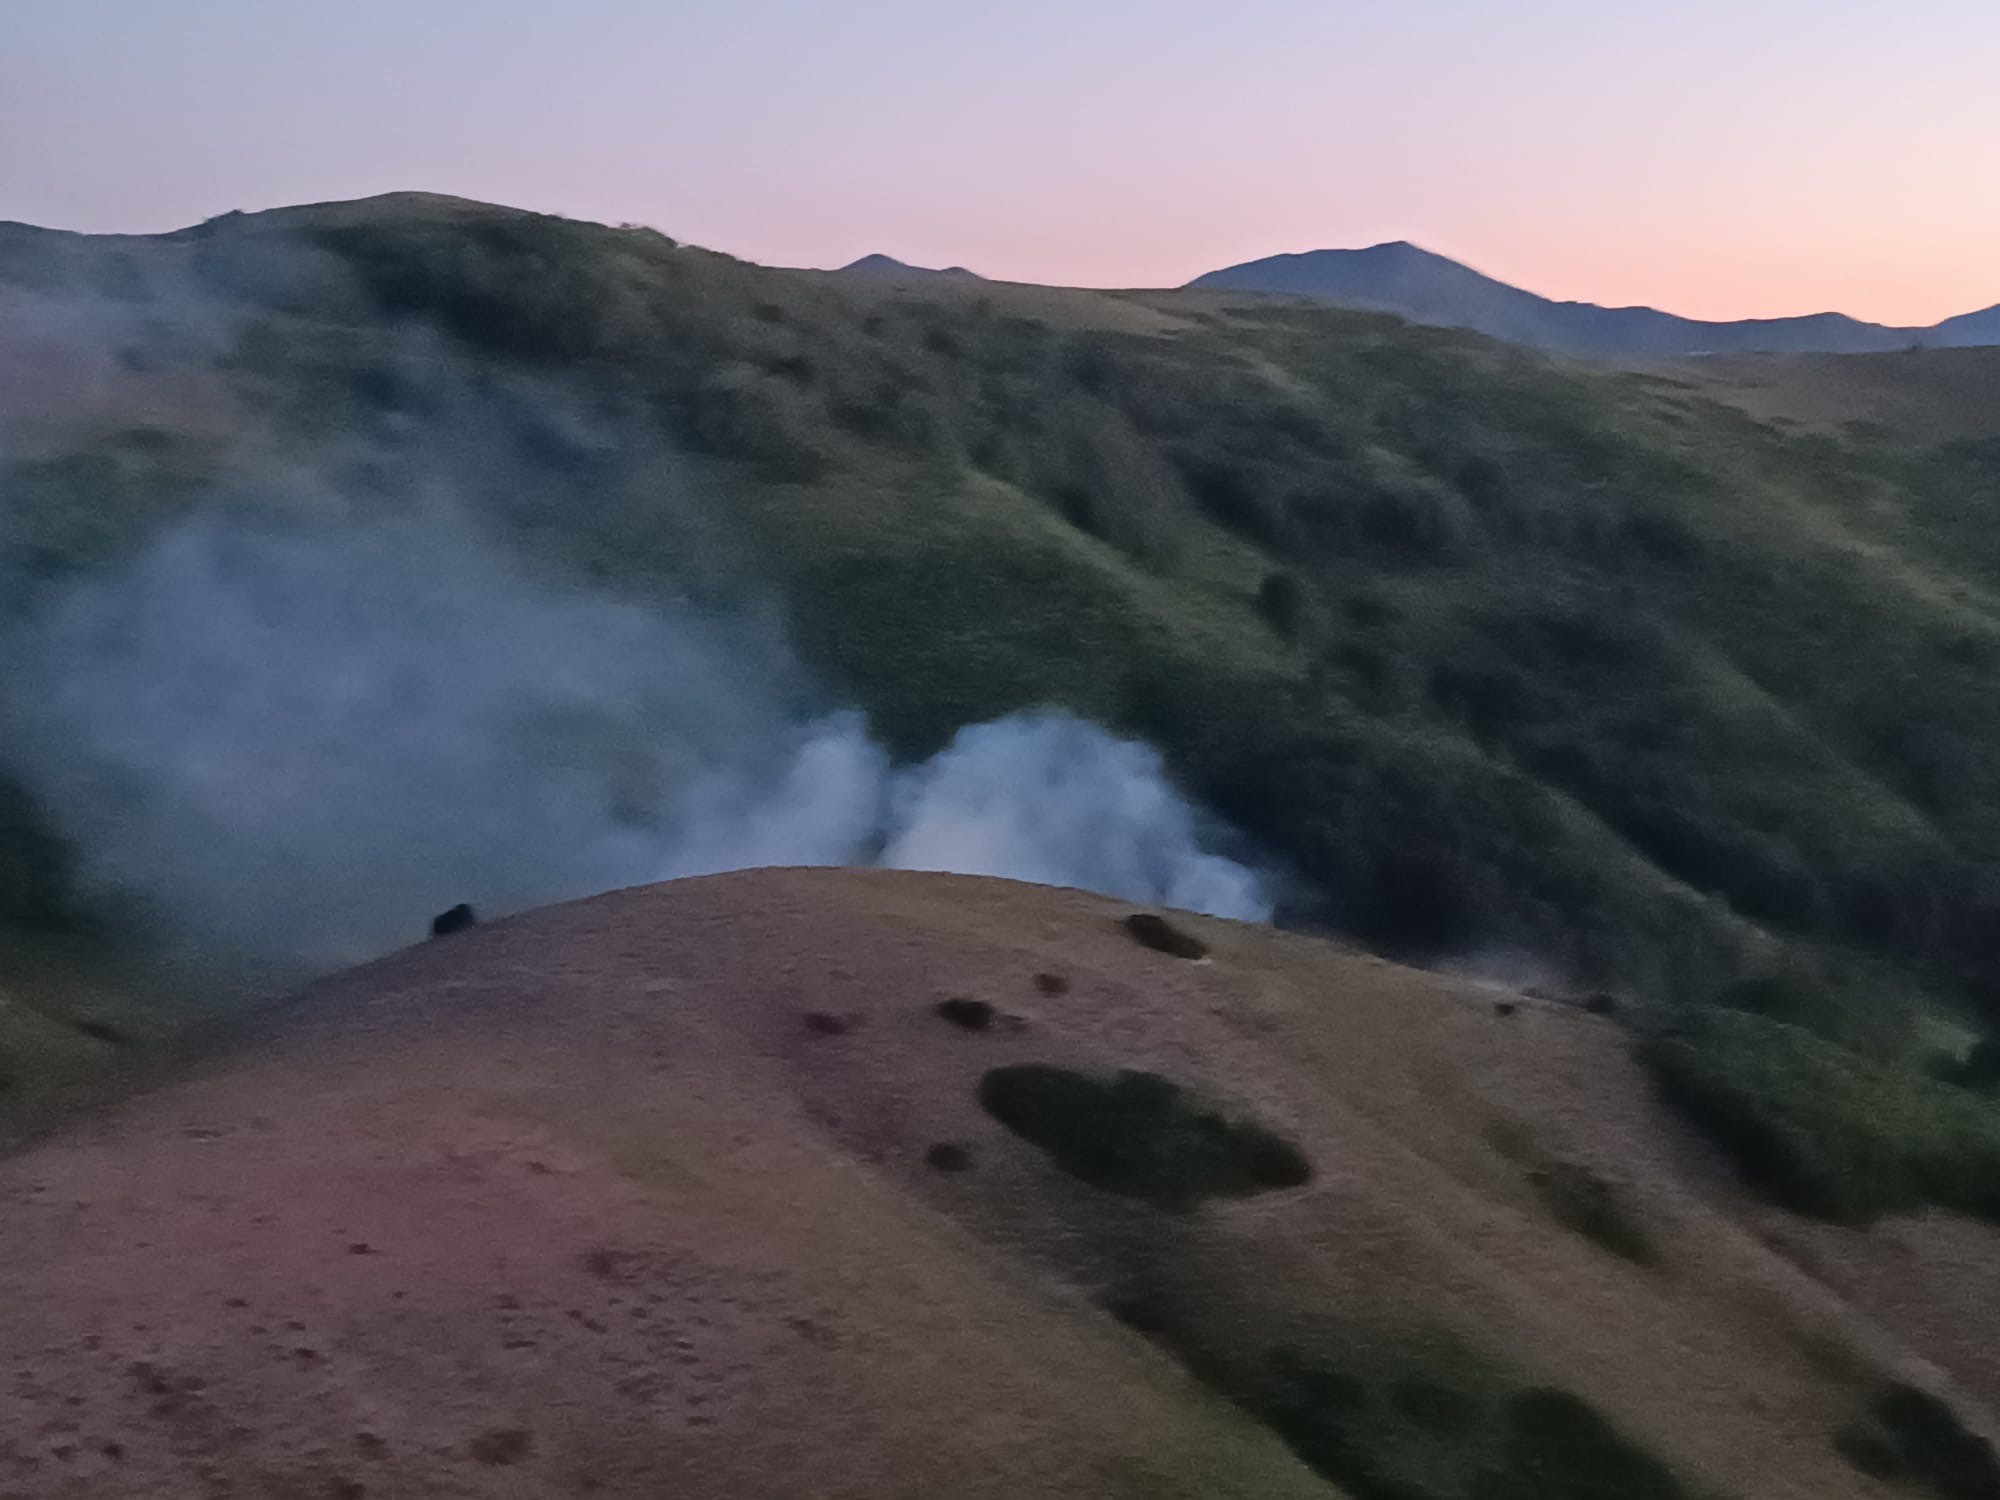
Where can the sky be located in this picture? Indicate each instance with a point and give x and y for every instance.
(1718, 158)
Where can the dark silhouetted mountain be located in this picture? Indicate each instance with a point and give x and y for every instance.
(1966, 330)
(1423, 287)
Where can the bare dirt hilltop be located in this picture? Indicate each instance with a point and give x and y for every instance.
(695, 1190)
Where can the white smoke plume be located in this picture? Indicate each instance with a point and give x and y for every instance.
(300, 743)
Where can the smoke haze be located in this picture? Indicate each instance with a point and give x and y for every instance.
(298, 742)
(325, 702)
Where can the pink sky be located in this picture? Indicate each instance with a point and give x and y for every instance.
(1718, 158)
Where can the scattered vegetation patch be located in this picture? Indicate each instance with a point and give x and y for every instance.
(969, 1015)
(1822, 1129)
(826, 1023)
(37, 892)
(1140, 1135)
(1423, 1440)
(1157, 933)
(949, 1156)
(1422, 1418)
(1281, 600)
(1979, 1069)
(1912, 1438)
(1579, 1197)
(1051, 984)
(1559, 1447)
(1590, 1205)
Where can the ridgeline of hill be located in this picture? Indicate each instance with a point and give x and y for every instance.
(1497, 655)
(1425, 287)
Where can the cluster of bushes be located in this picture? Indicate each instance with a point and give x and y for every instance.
(1425, 1439)
(37, 891)
(1417, 1416)
(1823, 1129)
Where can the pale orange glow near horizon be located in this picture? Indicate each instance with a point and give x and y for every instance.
(1718, 159)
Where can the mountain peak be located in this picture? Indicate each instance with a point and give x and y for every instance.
(888, 267)
(1424, 287)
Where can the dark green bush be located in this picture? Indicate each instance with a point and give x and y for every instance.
(1140, 1135)
(1558, 1447)
(1980, 1068)
(37, 890)
(1435, 1435)
(1281, 599)
(1824, 1130)
(1156, 932)
(1915, 1439)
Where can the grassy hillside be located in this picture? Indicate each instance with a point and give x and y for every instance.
(880, 1184)
(1495, 654)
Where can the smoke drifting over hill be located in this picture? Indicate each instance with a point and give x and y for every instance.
(298, 742)
(323, 700)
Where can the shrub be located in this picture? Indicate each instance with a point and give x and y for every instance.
(1823, 1130)
(969, 1015)
(1585, 1203)
(1281, 599)
(1558, 1447)
(1981, 1067)
(762, 418)
(1914, 1438)
(36, 885)
(1402, 1422)
(1140, 1136)
(1156, 932)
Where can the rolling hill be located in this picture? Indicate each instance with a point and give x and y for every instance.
(739, 1186)
(1424, 287)
(1673, 683)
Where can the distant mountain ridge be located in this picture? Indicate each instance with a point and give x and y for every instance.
(888, 268)
(1425, 287)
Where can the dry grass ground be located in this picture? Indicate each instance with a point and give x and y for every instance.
(584, 1203)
